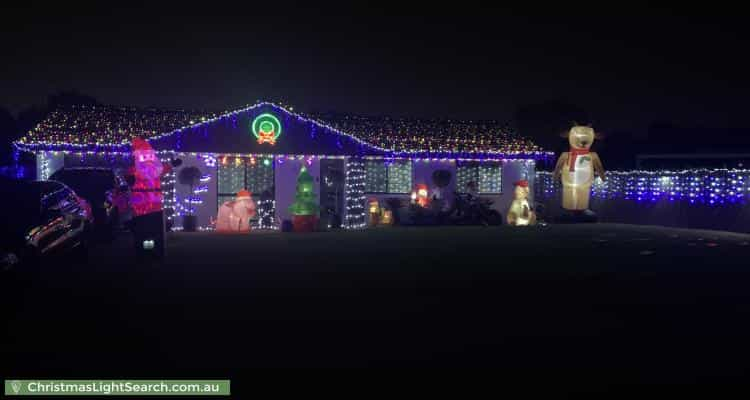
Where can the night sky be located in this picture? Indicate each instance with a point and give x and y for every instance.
(626, 72)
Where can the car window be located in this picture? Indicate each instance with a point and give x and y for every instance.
(53, 193)
(90, 184)
(22, 207)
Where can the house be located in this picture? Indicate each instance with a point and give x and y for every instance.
(262, 147)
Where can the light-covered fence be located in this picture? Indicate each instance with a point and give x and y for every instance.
(695, 198)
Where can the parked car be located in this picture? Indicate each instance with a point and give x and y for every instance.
(106, 190)
(41, 220)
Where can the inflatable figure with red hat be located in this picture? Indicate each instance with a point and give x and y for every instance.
(420, 195)
(146, 173)
(520, 212)
(234, 215)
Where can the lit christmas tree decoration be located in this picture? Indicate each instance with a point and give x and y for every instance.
(305, 208)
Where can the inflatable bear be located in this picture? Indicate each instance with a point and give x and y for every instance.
(577, 169)
(520, 212)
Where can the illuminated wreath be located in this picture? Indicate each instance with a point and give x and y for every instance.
(266, 128)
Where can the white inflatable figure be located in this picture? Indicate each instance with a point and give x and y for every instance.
(520, 212)
(235, 215)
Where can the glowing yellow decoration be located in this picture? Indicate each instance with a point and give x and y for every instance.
(420, 195)
(374, 214)
(577, 169)
(520, 212)
(387, 218)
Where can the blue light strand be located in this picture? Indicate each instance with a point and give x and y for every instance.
(710, 187)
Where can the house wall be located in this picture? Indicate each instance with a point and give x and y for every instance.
(287, 170)
(422, 173)
(206, 211)
(47, 162)
(117, 162)
(512, 171)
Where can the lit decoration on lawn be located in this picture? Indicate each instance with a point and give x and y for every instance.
(235, 215)
(695, 187)
(266, 128)
(304, 209)
(520, 212)
(266, 211)
(354, 200)
(387, 218)
(374, 211)
(148, 169)
(577, 168)
(421, 195)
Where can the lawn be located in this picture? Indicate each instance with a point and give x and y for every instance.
(617, 303)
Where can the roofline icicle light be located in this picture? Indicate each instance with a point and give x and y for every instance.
(123, 146)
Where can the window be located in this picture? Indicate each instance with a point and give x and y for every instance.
(490, 178)
(464, 175)
(376, 176)
(487, 177)
(259, 177)
(231, 175)
(388, 176)
(237, 173)
(399, 177)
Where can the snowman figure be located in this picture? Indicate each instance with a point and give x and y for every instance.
(520, 212)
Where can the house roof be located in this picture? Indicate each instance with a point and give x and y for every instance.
(103, 128)
(82, 125)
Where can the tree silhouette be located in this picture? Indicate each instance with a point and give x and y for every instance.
(189, 176)
(544, 122)
(8, 133)
(441, 178)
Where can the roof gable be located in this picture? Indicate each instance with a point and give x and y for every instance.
(234, 133)
(111, 129)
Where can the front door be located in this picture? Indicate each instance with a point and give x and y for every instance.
(332, 191)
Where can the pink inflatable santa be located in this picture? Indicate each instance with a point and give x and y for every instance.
(146, 196)
(235, 215)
